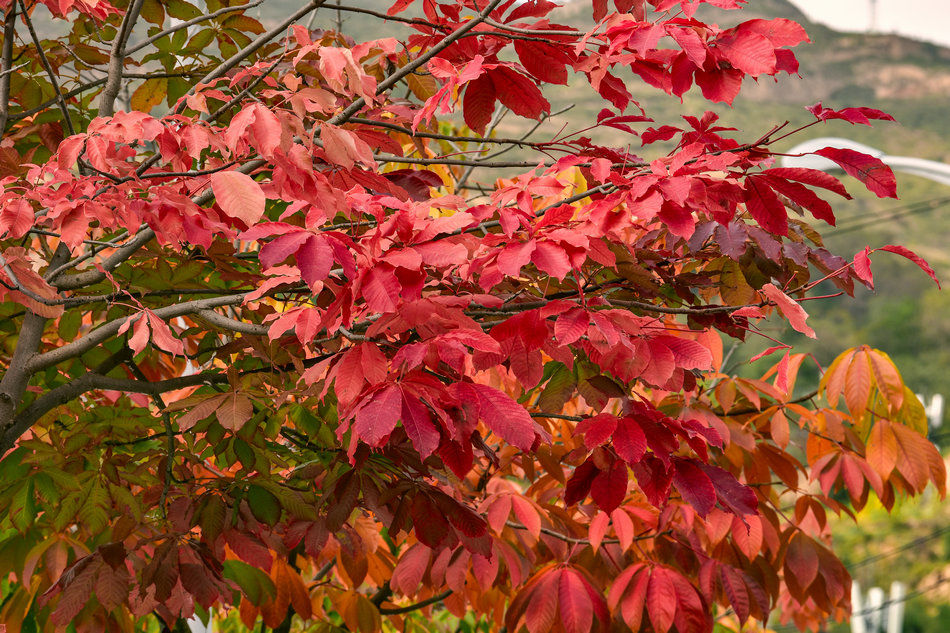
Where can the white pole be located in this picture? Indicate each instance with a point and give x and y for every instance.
(895, 611)
(875, 609)
(858, 623)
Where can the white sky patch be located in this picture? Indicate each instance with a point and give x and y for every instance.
(920, 19)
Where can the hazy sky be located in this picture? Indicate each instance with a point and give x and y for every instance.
(922, 19)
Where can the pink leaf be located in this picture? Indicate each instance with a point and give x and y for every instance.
(238, 195)
(571, 325)
(314, 259)
(795, 314)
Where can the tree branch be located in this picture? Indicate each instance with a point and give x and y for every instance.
(117, 60)
(233, 325)
(6, 61)
(251, 48)
(110, 329)
(184, 25)
(411, 67)
(419, 605)
(17, 377)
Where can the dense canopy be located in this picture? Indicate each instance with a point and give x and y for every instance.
(293, 338)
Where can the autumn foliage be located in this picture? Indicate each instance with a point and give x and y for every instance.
(288, 341)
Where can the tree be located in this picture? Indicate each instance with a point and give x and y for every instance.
(299, 352)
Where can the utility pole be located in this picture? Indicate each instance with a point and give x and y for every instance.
(872, 28)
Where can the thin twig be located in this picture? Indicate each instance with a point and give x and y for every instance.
(49, 69)
(418, 62)
(419, 605)
(250, 49)
(191, 22)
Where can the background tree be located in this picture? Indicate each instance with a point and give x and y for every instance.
(297, 352)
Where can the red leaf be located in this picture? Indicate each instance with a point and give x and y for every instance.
(597, 430)
(578, 486)
(629, 441)
(381, 288)
(412, 565)
(862, 266)
(790, 308)
(803, 196)
(813, 177)
(779, 31)
(238, 195)
(876, 176)
(505, 417)
(765, 206)
(801, 559)
(688, 353)
(661, 600)
(914, 257)
(574, 603)
(280, 248)
(542, 60)
(610, 486)
(428, 522)
(479, 103)
(519, 93)
(314, 259)
(739, 499)
(16, 218)
(571, 325)
(862, 115)
(750, 52)
(694, 486)
(541, 613)
(377, 416)
(551, 258)
(418, 424)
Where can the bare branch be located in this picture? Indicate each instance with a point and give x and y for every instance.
(6, 62)
(117, 60)
(110, 329)
(233, 325)
(419, 605)
(17, 376)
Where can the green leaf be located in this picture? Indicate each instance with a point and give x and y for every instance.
(199, 42)
(255, 584)
(181, 10)
(152, 11)
(244, 453)
(264, 505)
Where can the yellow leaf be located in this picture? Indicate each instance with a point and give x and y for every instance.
(912, 414)
(151, 93)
